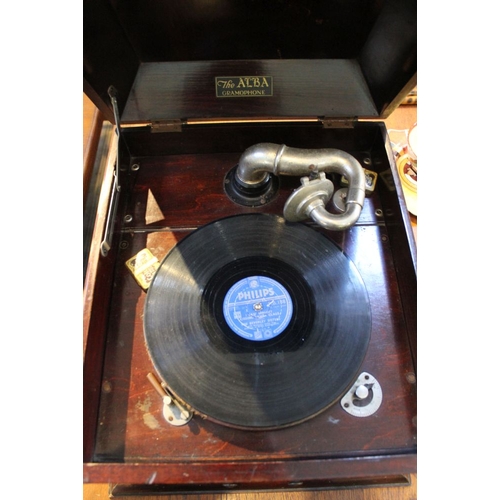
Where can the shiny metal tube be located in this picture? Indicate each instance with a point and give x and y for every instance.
(261, 159)
(336, 222)
(256, 162)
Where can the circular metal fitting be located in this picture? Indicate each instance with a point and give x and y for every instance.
(339, 198)
(260, 194)
(310, 195)
(364, 397)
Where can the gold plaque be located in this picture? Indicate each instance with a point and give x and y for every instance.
(143, 267)
(244, 86)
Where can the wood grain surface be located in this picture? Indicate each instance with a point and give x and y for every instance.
(92, 124)
(402, 118)
(101, 492)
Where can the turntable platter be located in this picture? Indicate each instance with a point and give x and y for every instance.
(257, 323)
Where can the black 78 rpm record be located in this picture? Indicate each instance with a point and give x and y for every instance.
(257, 323)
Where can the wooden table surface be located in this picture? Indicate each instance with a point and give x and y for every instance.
(100, 492)
(401, 119)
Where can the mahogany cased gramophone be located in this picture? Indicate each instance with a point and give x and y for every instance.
(250, 292)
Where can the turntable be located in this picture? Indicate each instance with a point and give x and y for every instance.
(250, 298)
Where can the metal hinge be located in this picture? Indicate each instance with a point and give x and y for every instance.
(339, 122)
(166, 126)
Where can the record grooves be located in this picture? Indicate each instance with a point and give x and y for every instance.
(257, 323)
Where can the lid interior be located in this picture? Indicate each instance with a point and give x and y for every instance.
(334, 58)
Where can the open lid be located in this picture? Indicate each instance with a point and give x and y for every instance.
(188, 59)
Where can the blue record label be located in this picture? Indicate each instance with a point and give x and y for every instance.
(257, 308)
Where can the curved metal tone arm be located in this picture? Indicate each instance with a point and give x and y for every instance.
(336, 222)
(261, 159)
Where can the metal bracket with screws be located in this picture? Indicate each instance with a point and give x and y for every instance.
(174, 413)
(364, 397)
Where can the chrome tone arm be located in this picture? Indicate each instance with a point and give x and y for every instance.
(258, 161)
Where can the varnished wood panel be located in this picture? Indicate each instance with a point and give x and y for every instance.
(196, 30)
(167, 197)
(125, 391)
(391, 68)
(131, 426)
(173, 90)
(91, 132)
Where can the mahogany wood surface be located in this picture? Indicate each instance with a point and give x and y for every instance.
(163, 59)
(128, 392)
(93, 119)
(95, 314)
(168, 196)
(338, 89)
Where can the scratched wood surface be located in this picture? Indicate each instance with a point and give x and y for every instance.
(97, 491)
(170, 193)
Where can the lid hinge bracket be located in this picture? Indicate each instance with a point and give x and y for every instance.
(166, 126)
(339, 122)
